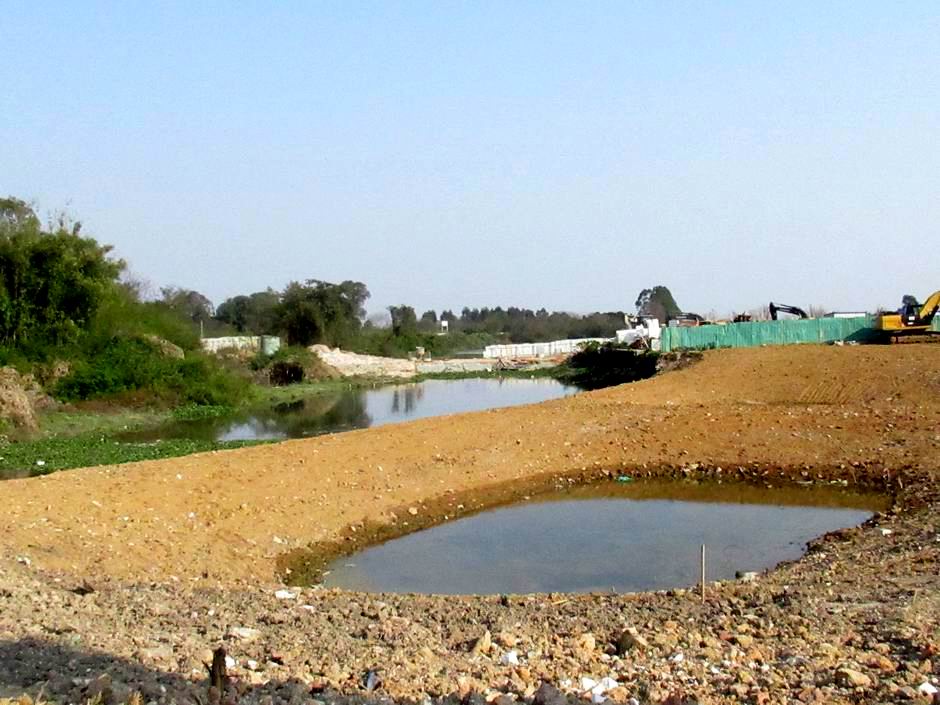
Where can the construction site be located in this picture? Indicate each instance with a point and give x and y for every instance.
(127, 579)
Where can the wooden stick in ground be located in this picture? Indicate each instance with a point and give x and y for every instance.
(703, 573)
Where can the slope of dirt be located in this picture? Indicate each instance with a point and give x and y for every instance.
(179, 551)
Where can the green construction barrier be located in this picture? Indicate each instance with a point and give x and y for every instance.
(747, 335)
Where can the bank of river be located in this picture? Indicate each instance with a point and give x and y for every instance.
(295, 412)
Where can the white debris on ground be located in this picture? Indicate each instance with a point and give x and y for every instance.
(351, 364)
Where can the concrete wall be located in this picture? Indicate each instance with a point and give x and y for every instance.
(242, 342)
(555, 347)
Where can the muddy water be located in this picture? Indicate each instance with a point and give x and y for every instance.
(363, 408)
(621, 537)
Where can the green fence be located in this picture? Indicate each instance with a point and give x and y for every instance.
(745, 335)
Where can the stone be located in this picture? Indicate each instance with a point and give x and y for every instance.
(243, 633)
(587, 642)
(630, 639)
(548, 694)
(506, 639)
(744, 640)
(165, 347)
(483, 644)
(849, 677)
(162, 652)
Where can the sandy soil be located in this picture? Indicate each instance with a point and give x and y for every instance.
(208, 533)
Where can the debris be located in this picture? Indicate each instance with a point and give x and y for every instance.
(624, 478)
(285, 595)
(243, 633)
(510, 658)
(927, 688)
(372, 680)
(596, 689)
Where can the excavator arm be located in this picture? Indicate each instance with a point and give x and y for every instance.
(775, 308)
(929, 309)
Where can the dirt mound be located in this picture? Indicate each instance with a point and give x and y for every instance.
(15, 402)
(164, 346)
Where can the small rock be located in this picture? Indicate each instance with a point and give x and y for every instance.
(156, 653)
(413, 511)
(285, 595)
(849, 677)
(483, 644)
(630, 639)
(510, 658)
(744, 640)
(587, 642)
(548, 694)
(927, 688)
(506, 639)
(906, 692)
(243, 633)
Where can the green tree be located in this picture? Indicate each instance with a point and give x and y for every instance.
(52, 281)
(657, 303)
(191, 304)
(404, 321)
(428, 322)
(321, 312)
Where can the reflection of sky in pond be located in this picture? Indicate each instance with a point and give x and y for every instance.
(597, 544)
(361, 408)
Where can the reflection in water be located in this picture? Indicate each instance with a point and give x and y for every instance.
(411, 394)
(640, 537)
(358, 408)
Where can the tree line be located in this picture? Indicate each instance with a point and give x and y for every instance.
(63, 296)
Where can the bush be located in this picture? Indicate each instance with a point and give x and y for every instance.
(597, 366)
(122, 365)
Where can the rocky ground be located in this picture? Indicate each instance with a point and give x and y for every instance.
(117, 581)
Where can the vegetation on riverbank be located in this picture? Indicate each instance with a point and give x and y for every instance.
(598, 366)
(46, 455)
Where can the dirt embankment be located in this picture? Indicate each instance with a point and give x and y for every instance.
(200, 537)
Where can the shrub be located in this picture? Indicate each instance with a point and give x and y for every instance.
(122, 365)
(596, 366)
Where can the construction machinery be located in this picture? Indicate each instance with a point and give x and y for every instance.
(783, 308)
(911, 319)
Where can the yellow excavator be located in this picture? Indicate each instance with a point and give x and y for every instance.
(911, 319)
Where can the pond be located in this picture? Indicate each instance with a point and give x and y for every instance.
(331, 412)
(612, 537)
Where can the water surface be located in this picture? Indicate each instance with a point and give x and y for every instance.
(331, 412)
(641, 536)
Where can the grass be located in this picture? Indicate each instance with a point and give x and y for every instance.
(46, 455)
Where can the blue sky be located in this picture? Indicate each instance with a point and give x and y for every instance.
(563, 154)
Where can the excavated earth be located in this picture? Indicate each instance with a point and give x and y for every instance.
(122, 580)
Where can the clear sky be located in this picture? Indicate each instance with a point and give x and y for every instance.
(557, 154)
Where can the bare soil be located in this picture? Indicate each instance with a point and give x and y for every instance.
(137, 570)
